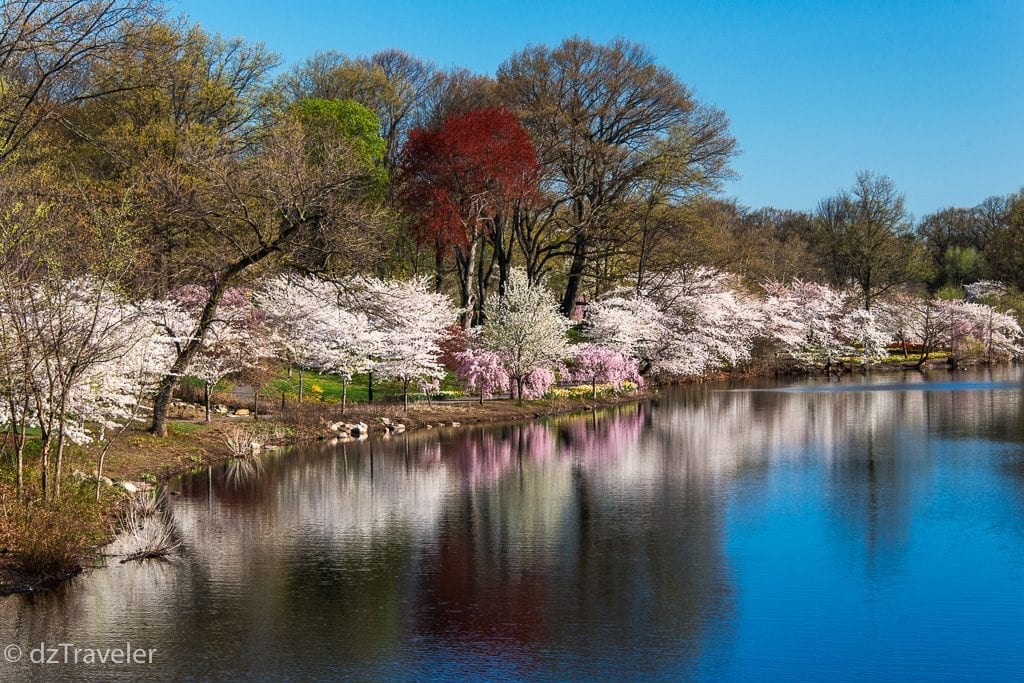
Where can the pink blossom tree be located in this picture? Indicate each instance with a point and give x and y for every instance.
(481, 371)
(593, 363)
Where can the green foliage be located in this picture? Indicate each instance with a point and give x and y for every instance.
(350, 121)
(950, 293)
(576, 335)
(331, 386)
(185, 428)
(910, 358)
(961, 265)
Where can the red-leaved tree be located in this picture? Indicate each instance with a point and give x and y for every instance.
(463, 181)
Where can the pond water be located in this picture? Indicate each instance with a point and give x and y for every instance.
(872, 527)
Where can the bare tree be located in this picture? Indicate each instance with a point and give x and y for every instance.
(865, 238)
(243, 211)
(48, 49)
(605, 119)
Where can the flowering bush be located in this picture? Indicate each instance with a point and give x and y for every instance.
(577, 392)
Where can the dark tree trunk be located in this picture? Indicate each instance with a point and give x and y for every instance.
(223, 280)
(575, 276)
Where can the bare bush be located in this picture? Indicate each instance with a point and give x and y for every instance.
(242, 443)
(148, 537)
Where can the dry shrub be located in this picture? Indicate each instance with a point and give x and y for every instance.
(148, 535)
(54, 537)
(309, 415)
(242, 443)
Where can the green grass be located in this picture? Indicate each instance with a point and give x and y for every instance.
(184, 428)
(899, 359)
(330, 387)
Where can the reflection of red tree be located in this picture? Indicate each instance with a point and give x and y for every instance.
(478, 585)
(478, 591)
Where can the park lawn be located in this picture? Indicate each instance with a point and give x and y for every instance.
(328, 388)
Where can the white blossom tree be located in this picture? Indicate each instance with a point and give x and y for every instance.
(293, 307)
(82, 359)
(525, 329)
(410, 321)
(693, 322)
(236, 340)
(319, 325)
(816, 325)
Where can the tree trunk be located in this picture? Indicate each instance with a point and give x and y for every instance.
(44, 451)
(300, 385)
(206, 399)
(466, 266)
(222, 280)
(575, 276)
(369, 386)
(61, 441)
(344, 395)
(405, 393)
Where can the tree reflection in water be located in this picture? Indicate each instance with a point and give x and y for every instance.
(640, 540)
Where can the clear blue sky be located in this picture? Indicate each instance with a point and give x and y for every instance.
(929, 93)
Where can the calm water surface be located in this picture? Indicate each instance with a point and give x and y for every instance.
(862, 529)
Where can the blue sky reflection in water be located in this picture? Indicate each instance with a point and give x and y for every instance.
(717, 533)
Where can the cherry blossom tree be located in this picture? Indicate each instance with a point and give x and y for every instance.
(969, 330)
(526, 331)
(712, 322)
(693, 321)
(867, 333)
(593, 363)
(235, 341)
(481, 371)
(411, 322)
(627, 322)
(806, 320)
(352, 344)
(536, 384)
(81, 360)
(294, 309)
(314, 323)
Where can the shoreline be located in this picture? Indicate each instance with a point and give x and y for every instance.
(145, 461)
(180, 452)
